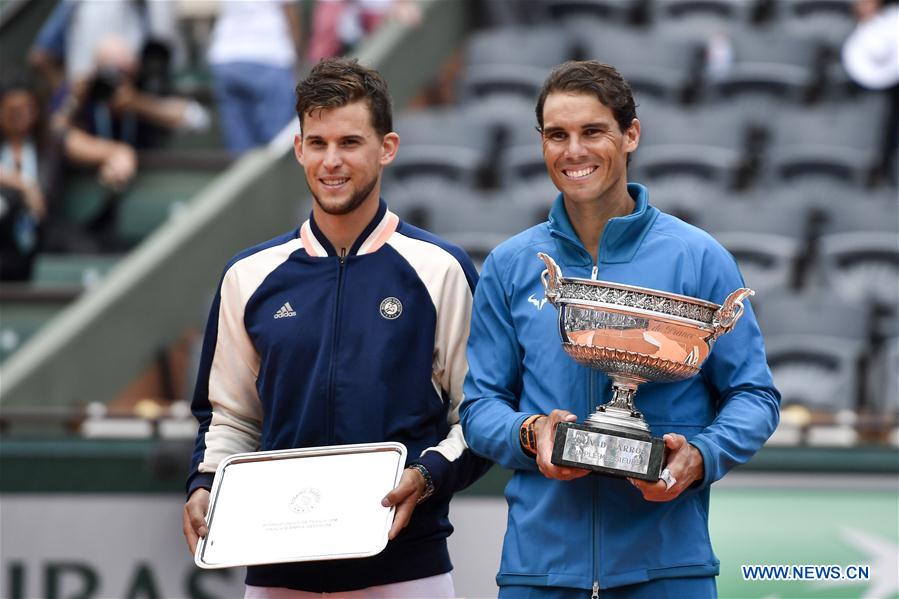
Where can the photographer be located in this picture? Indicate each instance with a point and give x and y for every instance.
(109, 103)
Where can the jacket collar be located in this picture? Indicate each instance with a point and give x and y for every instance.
(375, 235)
(620, 238)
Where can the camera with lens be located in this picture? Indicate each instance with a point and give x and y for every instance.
(104, 85)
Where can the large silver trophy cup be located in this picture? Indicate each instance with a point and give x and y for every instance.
(634, 335)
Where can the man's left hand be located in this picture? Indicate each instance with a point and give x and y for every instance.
(685, 465)
(404, 497)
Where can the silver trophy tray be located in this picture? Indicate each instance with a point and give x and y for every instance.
(294, 505)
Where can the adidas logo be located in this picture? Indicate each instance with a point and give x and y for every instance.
(285, 311)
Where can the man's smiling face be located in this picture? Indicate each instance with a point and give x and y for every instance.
(584, 148)
(342, 156)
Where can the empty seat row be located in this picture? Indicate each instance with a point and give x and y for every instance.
(830, 19)
(676, 66)
(494, 143)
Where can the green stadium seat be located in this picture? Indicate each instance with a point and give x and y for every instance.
(24, 310)
(51, 270)
(153, 197)
(84, 197)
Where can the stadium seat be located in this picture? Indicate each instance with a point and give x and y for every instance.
(830, 21)
(767, 67)
(705, 144)
(25, 309)
(812, 313)
(654, 65)
(883, 382)
(697, 14)
(441, 144)
(619, 12)
(815, 371)
(477, 245)
(83, 197)
(765, 237)
(522, 163)
(544, 46)
(862, 266)
(686, 198)
(53, 270)
(505, 80)
(830, 142)
(475, 214)
(533, 199)
(153, 197)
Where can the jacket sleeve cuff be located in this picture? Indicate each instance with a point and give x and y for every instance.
(200, 480)
(523, 460)
(708, 462)
(438, 467)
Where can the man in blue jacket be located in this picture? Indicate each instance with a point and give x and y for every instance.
(571, 535)
(349, 329)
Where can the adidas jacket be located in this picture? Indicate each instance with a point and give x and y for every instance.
(304, 348)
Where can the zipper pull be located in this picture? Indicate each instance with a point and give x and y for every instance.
(595, 274)
(595, 594)
(342, 255)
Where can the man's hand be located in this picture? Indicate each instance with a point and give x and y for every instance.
(119, 167)
(545, 432)
(684, 463)
(404, 497)
(194, 518)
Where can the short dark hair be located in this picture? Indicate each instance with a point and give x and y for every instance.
(336, 82)
(591, 77)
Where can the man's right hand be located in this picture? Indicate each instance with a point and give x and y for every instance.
(545, 432)
(194, 518)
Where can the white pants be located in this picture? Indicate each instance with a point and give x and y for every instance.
(432, 587)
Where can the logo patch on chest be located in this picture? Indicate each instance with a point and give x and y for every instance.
(285, 311)
(391, 308)
(538, 303)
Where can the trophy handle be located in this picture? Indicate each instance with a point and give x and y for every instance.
(730, 311)
(551, 278)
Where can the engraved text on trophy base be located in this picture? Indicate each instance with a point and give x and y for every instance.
(598, 449)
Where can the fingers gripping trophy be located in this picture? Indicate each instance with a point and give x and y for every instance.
(634, 335)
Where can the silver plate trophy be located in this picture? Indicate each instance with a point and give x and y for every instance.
(634, 335)
(295, 505)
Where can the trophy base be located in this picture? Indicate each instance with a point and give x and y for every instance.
(612, 452)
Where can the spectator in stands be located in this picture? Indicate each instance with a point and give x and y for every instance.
(339, 25)
(65, 47)
(569, 534)
(108, 103)
(253, 55)
(26, 178)
(32, 159)
(871, 57)
(404, 297)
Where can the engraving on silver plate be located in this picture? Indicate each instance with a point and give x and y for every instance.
(305, 501)
(598, 449)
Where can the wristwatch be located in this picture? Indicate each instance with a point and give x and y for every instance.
(527, 436)
(429, 482)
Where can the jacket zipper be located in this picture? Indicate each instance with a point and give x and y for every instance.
(595, 274)
(597, 538)
(329, 411)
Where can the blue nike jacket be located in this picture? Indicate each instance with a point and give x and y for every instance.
(596, 531)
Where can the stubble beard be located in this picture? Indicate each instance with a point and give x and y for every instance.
(351, 204)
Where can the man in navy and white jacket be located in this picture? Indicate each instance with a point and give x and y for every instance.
(350, 329)
(571, 535)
